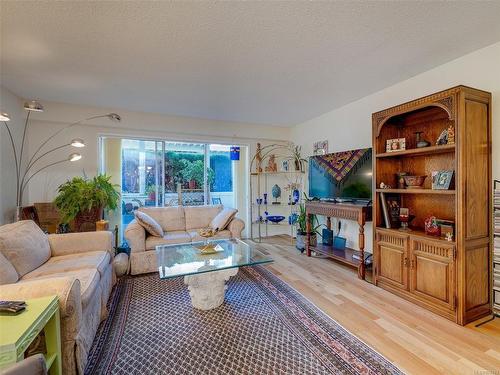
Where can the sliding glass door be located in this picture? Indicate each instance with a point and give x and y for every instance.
(166, 173)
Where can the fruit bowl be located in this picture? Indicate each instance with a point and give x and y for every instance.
(276, 219)
(414, 182)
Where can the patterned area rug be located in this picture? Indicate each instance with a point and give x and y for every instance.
(263, 327)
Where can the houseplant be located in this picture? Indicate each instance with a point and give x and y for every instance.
(193, 172)
(302, 229)
(83, 200)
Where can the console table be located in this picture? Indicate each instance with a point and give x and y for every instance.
(348, 211)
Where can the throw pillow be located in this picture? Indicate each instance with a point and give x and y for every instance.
(24, 245)
(223, 218)
(8, 274)
(150, 224)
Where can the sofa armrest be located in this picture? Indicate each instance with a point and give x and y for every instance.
(74, 243)
(67, 289)
(135, 235)
(236, 226)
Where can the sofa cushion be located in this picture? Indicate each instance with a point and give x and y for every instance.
(89, 282)
(219, 235)
(8, 274)
(170, 238)
(169, 218)
(148, 223)
(99, 260)
(223, 218)
(200, 216)
(24, 245)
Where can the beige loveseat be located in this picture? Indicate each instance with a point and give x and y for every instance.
(180, 225)
(76, 267)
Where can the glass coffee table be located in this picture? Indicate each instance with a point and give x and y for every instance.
(206, 274)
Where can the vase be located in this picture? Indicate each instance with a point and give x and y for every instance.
(296, 196)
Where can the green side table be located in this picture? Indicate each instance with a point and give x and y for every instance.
(17, 332)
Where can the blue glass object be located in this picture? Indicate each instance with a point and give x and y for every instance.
(327, 236)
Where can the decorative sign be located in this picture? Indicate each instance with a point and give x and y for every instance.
(234, 151)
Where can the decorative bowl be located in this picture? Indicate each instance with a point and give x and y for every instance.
(414, 182)
(275, 219)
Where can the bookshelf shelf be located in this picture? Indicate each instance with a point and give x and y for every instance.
(431, 150)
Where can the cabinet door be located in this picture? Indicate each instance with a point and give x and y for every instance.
(432, 272)
(392, 259)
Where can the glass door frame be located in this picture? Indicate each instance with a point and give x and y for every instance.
(160, 179)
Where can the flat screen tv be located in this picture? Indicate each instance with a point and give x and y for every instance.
(342, 175)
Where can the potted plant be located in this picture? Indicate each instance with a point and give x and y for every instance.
(83, 200)
(194, 172)
(302, 229)
(151, 192)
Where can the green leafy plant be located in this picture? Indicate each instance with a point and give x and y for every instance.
(82, 195)
(194, 171)
(302, 222)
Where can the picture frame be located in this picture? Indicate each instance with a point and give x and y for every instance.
(320, 147)
(441, 180)
(395, 145)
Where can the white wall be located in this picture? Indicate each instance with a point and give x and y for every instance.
(12, 105)
(43, 187)
(349, 127)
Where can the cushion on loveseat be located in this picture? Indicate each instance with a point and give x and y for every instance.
(200, 216)
(99, 260)
(170, 238)
(8, 273)
(149, 224)
(169, 218)
(223, 218)
(24, 245)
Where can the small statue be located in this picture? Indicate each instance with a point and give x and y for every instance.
(451, 135)
(258, 157)
(271, 164)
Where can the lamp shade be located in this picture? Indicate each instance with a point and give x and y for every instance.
(77, 142)
(33, 106)
(74, 157)
(4, 116)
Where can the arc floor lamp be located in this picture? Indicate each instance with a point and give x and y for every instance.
(25, 171)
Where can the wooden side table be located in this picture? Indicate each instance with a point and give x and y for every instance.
(17, 332)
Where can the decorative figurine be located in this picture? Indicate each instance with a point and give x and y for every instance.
(431, 226)
(443, 138)
(449, 236)
(271, 164)
(276, 191)
(400, 179)
(420, 142)
(258, 157)
(385, 186)
(265, 198)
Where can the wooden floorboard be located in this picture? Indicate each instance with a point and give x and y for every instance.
(416, 340)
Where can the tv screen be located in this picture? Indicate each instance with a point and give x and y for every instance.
(341, 175)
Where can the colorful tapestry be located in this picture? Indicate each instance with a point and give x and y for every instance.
(337, 166)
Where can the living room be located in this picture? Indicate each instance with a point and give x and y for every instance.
(177, 177)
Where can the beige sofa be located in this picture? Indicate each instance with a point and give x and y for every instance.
(76, 267)
(180, 224)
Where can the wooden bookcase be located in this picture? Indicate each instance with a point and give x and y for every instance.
(450, 278)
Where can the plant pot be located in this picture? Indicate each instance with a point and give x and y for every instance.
(152, 196)
(85, 221)
(192, 184)
(300, 242)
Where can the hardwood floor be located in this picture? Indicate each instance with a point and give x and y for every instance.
(416, 340)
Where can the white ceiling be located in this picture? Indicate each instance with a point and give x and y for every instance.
(264, 62)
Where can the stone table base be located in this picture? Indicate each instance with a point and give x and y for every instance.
(207, 290)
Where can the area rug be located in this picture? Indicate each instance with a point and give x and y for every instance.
(263, 327)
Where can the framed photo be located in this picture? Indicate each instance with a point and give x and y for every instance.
(320, 148)
(441, 180)
(396, 144)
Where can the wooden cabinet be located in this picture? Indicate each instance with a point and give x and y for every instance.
(392, 262)
(451, 278)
